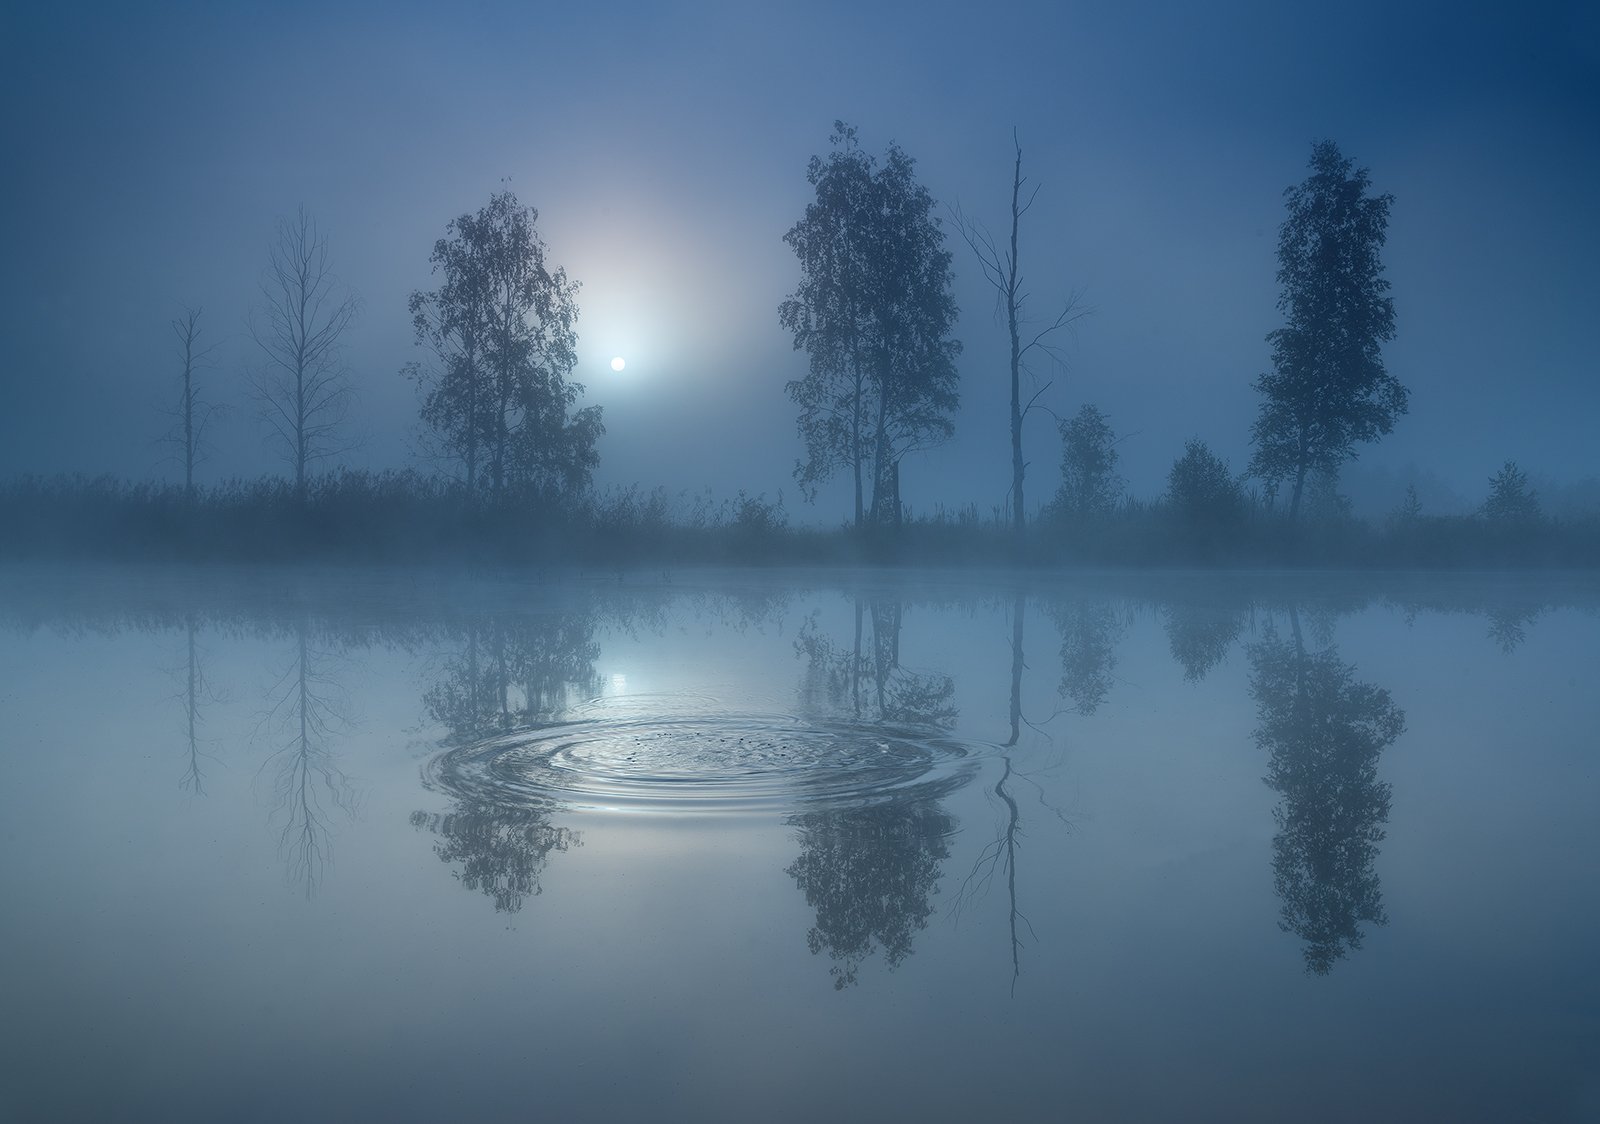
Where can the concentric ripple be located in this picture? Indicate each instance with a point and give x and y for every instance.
(675, 759)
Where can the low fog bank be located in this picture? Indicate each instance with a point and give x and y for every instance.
(1205, 519)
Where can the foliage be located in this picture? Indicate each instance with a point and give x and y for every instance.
(1328, 389)
(1090, 486)
(1511, 499)
(501, 326)
(869, 873)
(1201, 490)
(874, 311)
(1323, 732)
(410, 517)
(1090, 631)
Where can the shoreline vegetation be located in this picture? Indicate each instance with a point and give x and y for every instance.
(506, 454)
(407, 517)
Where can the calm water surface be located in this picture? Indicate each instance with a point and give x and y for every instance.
(292, 845)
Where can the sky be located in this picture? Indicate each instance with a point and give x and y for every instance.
(151, 149)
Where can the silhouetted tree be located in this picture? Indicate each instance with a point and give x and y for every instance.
(1328, 389)
(303, 390)
(1323, 732)
(192, 413)
(1090, 486)
(529, 350)
(1201, 490)
(1511, 498)
(874, 312)
(1001, 268)
(452, 321)
(1410, 509)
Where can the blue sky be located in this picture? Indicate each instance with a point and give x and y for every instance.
(151, 149)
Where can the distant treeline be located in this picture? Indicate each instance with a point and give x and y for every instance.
(407, 516)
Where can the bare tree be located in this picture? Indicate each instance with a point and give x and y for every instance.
(303, 390)
(192, 413)
(1002, 271)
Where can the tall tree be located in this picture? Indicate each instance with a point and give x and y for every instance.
(828, 316)
(452, 322)
(1328, 388)
(192, 413)
(531, 437)
(1002, 269)
(874, 312)
(303, 391)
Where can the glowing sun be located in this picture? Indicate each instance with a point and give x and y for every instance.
(617, 363)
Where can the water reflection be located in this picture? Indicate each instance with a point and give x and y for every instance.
(869, 683)
(510, 671)
(498, 851)
(870, 872)
(1324, 732)
(1200, 634)
(195, 688)
(305, 712)
(863, 770)
(1091, 628)
(507, 672)
(1508, 625)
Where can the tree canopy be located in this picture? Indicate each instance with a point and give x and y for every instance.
(874, 312)
(1328, 389)
(501, 325)
(1090, 485)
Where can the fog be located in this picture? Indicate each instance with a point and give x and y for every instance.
(666, 151)
(814, 562)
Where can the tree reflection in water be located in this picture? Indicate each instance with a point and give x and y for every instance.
(1200, 634)
(870, 872)
(509, 673)
(1324, 733)
(1090, 630)
(499, 851)
(514, 672)
(195, 687)
(304, 713)
(866, 682)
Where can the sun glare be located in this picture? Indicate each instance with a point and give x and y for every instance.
(617, 363)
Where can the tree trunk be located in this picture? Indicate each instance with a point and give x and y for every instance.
(1294, 498)
(1018, 605)
(855, 666)
(1018, 511)
(880, 457)
(855, 436)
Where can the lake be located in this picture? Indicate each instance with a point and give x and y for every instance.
(350, 844)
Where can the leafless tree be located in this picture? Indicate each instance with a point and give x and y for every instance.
(192, 413)
(1002, 271)
(303, 388)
